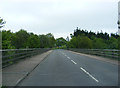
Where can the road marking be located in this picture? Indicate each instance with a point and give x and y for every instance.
(74, 62)
(68, 57)
(19, 80)
(89, 74)
(65, 55)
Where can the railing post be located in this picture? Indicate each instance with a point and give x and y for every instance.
(112, 54)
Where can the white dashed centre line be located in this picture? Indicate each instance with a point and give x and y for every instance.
(74, 62)
(82, 69)
(68, 57)
(89, 74)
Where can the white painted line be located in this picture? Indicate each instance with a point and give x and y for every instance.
(19, 80)
(68, 57)
(74, 62)
(89, 74)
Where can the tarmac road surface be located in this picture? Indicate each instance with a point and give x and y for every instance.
(64, 68)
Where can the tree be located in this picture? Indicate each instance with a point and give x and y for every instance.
(84, 42)
(6, 44)
(113, 43)
(118, 42)
(44, 41)
(60, 42)
(73, 43)
(2, 22)
(7, 37)
(98, 43)
(20, 39)
(115, 35)
(33, 41)
(80, 42)
(51, 41)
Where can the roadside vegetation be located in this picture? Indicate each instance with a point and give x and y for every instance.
(79, 39)
(90, 40)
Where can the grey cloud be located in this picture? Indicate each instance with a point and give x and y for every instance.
(60, 17)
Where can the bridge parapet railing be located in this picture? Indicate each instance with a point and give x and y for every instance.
(110, 53)
(10, 56)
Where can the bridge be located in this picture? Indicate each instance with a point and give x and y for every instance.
(60, 67)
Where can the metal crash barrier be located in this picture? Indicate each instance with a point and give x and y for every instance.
(110, 53)
(10, 56)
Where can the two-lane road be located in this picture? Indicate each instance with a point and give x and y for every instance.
(64, 68)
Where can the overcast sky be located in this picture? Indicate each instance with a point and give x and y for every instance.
(60, 17)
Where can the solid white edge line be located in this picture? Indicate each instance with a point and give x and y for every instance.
(19, 80)
(74, 62)
(89, 74)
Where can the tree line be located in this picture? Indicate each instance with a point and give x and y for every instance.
(90, 40)
(23, 39)
(79, 39)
